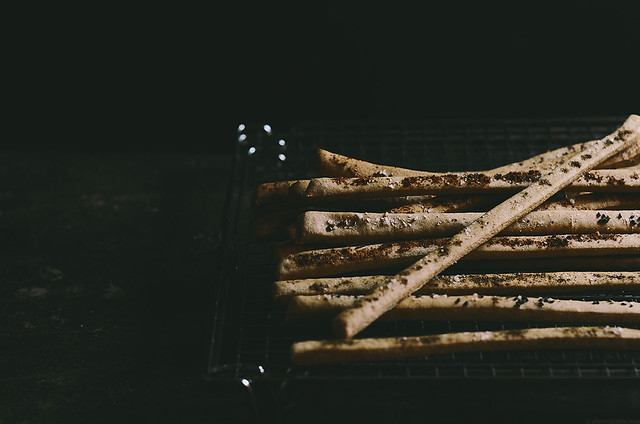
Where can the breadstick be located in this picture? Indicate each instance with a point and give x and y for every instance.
(479, 203)
(271, 224)
(344, 260)
(609, 180)
(335, 165)
(348, 228)
(592, 201)
(451, 203)
(372, 349)
(332, 164)
(568, 263)
(353, 320)
(563, 263)
(474, 307)
(510, 283)
(276, 192)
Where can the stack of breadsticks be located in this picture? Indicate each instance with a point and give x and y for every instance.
(368, 242)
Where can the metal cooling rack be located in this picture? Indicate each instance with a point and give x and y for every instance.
(248, 340)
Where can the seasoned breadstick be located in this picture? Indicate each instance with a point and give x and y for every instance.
(510, 283)
(552, 264)
(474, 307)
(332, 164)
(479, 203)
(353, 320)
(372, 349)
(335, 165)
(269, 225)
(348, 228)
(451, 203)
(609, 180)
(276, 192)
(344, 260)
(593, 201)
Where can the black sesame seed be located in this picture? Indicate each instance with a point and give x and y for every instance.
(457, 301)
(623, 304)
(466, 303)
(619, 216)
(598, 215)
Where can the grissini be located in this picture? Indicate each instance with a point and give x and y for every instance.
(451, 203)
(270, 222)
(507, 283)
(314, 352)
(275, 192)
(480, 203)
(351, 321)
(474, 307)
(350, 259)
(332, 164)
(552, 264)
(348, 228)
(335, 165)
(609, 180)
(272, 225)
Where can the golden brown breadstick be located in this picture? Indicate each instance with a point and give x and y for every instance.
(345, 260)
(353, 320)
(348, 228)
(509, 283)
(373, 349)
(609, 180)
(474, 307)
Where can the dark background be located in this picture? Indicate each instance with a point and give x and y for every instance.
(108, 243)
(150, 78)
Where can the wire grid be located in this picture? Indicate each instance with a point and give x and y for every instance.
(257, 343)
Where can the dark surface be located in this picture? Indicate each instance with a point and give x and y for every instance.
(106, 270)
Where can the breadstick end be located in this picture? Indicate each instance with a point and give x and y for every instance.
(298, 189)
(342, 327)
